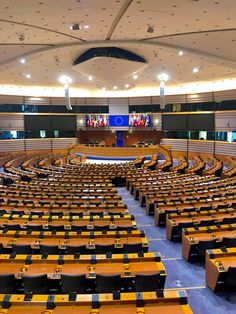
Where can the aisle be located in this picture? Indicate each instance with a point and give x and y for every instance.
(180, 274)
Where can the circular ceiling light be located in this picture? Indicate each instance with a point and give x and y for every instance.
(135, 76)
(22, 60)
(181, 53)
(64, 79)
(126, 85)
(115, 87)
(90, 78)
(28, 76)
(163, 77)
(195, 70)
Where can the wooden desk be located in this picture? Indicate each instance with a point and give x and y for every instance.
(162, 211)
(62, 239)
(191, 237)
(109, 222)
(125, 265)
(173, 220)
(217, 264)
(129, 303)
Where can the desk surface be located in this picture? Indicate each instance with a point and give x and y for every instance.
(171, 302)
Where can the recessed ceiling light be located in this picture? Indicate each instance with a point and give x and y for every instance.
(86, 26)
(28, 76)
(90, 78)
(22, 60)
(104, 88)
(64, 79)
(163, 77)
(181, 53)
(135, 76)
(195, 70)
(115, 87)
(126, 85)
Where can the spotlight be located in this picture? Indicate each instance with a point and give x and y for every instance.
(21, 37)
(75, 27)
(150, 29)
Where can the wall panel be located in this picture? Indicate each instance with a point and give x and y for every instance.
(14, 122)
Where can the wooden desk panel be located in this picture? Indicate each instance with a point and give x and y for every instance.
(217, 265)
(171, 302)
(189, 242)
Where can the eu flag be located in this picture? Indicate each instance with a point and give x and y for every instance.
(119, 121)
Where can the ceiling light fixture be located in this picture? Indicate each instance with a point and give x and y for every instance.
(65, 80)
(86, 26)
(104, 88)
(181, 53)
(115, 87)
(163, 77)
(90, 78)
(126, 85)
(28, 76)
(195, 70)
(22, 60)
(135, 76)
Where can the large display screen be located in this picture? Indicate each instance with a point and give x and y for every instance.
(174, 122)
(201, 122)
(139, 120)
(63, 123)
(97, 120)
(37, 122)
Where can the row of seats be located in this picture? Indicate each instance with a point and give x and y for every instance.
(72, 249)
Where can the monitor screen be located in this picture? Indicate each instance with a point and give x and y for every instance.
(37, 122)
(201, 122)
(174, 122)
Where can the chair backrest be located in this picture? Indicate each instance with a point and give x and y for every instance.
(229, 220)
(49, 249)
(73, 283)
(7, 283)
(100, 228)
(149, 282)
(17, 212)
(231, 278)
(132, 248)
(106, 284)
(21, 248)
(34, 227)
(229, 242)
(209, 222)
(204, 245)
(78, 228)
(103, 249)
(80, 249)
(183, 225)
(35, 284)
(12, 226)
(56, 227)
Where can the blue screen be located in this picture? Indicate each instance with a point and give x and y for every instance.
(119, 121)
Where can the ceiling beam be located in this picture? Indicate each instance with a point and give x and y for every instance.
(118, 17)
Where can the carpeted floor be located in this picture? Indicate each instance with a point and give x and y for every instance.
(180, 274)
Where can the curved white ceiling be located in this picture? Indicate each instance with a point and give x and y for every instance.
(39, 31)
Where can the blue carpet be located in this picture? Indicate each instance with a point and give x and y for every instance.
(180, 274)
